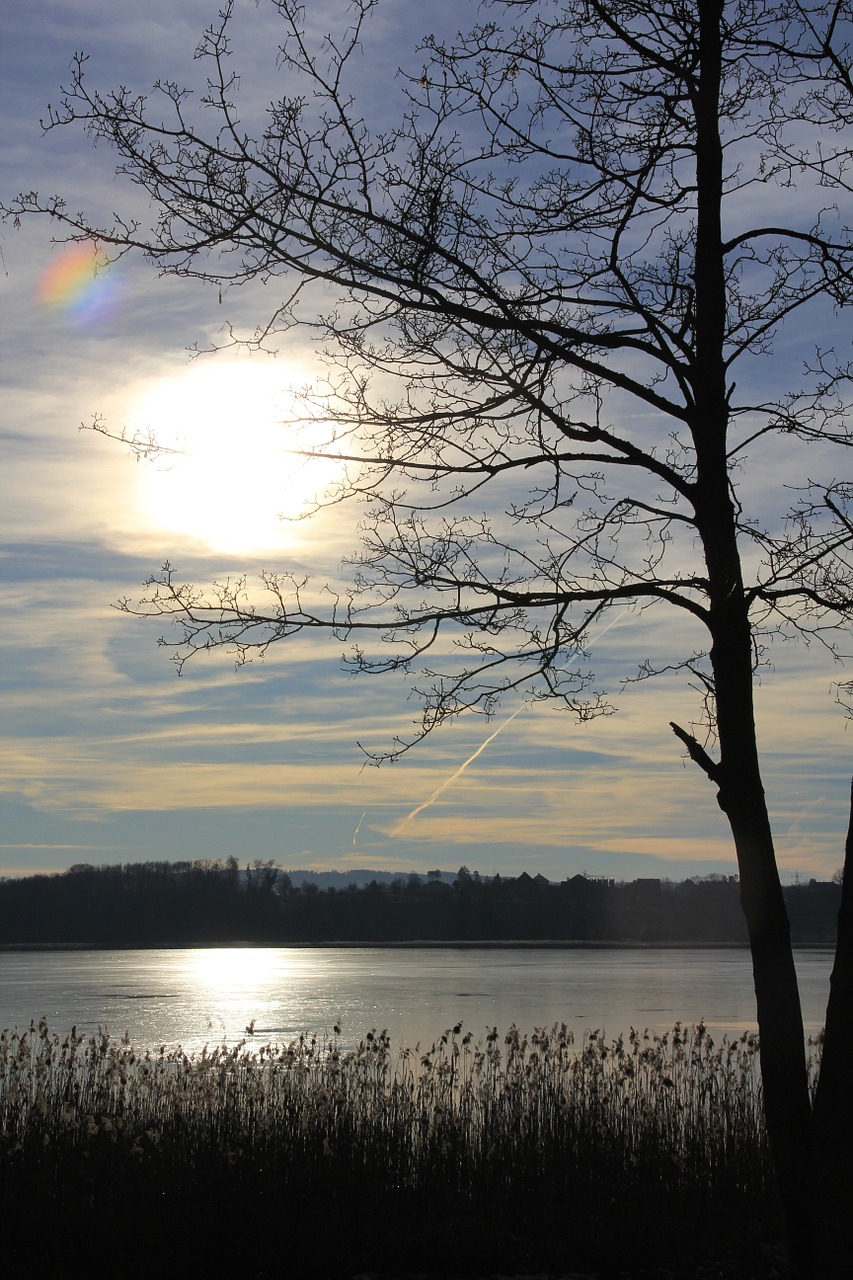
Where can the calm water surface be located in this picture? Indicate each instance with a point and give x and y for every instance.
(198, 997)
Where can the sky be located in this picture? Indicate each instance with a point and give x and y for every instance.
(107, 756)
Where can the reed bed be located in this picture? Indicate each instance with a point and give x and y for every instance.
(517, 1151)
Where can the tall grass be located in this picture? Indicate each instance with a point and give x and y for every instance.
(520, 1151)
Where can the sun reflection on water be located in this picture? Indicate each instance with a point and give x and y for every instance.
(227, 972)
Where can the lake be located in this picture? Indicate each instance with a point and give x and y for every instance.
(207, 996)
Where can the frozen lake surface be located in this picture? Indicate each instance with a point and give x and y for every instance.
(207, 996)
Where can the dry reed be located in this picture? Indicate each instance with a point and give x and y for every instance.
(518, 1150)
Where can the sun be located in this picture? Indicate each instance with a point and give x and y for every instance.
(230, 470)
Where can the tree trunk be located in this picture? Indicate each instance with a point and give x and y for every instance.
(780, 1024)
(832, 1150)
(738, 775)
(741, 796)
(784, 1074)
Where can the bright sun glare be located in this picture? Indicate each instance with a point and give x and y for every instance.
(235, 475)
(238, 968)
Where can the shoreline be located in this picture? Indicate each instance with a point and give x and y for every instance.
(487, 944)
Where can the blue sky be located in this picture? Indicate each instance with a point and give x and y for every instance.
(106, 755)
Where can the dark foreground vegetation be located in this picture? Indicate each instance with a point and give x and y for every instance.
(208, 903)
(521, 1153)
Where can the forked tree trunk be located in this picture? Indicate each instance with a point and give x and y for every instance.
(784, 1075)
(812, 1146)
(738, 775)
(780, 1024)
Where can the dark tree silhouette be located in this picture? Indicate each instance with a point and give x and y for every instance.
(557, 285)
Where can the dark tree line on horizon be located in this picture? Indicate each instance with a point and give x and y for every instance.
(212, 903)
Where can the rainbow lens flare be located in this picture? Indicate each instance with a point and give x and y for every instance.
(78, 284)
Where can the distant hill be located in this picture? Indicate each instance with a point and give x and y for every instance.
(360, 877)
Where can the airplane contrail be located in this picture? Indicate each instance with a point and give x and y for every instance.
(358, 828)
(448, 782)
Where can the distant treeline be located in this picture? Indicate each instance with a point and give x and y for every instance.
(150, 904)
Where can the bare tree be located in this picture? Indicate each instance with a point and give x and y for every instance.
(557, 283)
